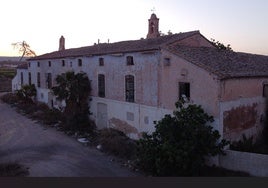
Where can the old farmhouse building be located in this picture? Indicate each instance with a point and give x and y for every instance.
(137, 82)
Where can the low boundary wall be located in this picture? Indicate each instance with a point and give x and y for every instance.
(252, 163)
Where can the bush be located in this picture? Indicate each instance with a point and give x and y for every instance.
(117, 143)
(180, 143)
(10, 98)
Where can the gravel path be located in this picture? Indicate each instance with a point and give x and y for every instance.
(50, 153)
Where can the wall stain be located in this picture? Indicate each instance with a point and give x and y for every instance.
(240, 118)
(122, 126)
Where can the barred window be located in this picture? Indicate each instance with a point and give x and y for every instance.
(49, 80)
(38, 80)
(101, 85)
(130, 88)
(29, 78)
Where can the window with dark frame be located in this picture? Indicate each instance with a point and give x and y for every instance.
(130, 60)
(130, 88)
(49, 63)
(63, 63)
(80, 62)
(38, 64)
(184, 90)
(29, 78)
(21, 78)
(38, 80)
(101, 61)
(49, 80)
(101, 85)
(265, 90)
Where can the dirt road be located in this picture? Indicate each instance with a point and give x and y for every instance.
(50, 153)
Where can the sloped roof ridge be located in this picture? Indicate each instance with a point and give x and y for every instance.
(117, 47)
(223, 63)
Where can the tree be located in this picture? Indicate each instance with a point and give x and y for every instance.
(74, 89)
(24, 48)
(221, 46)
(180, 143)
(27, 92)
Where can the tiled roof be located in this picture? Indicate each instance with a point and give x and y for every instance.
(118, 47)
(225, 64)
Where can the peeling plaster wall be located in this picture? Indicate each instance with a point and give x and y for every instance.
(242, 108)
(117, 116)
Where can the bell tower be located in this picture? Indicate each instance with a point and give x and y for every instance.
(153, 27)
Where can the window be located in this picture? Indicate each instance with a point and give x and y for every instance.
(29, 64)
(129, 85)
(49, 63)
(130, 60)
(30, 78)
(265, 90)
(101, 85)
(48, 80)
(38, 64)
(166, 61)
(80, 62)
(184, 90)
(63, 63)
(21, 78)
(38, 80)
(101, 61)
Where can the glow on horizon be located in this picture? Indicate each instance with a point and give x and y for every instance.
(240, 23)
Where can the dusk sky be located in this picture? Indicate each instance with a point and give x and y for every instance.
(241, 23)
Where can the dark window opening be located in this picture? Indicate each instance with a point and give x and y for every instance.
(80, 62)
(38, 80)
(101, 85)
(152, 27)
(49, 80)
(21, 78)
(184, 90)
(265, 90)
(130, 88)
(101, 61)
(49, 63)
(63, 63)
(30, 78)
(130, 60)
(38, 64)
(29, 64)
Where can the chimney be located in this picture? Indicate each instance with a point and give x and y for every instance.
(62, 43)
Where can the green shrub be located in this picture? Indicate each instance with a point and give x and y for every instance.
(180, 143)
(116, 142)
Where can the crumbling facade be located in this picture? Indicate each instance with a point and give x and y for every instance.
(135, 83)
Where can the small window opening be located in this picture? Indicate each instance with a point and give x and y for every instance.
(130, 60)
(184, 91)
(101, 61)
(80, 62)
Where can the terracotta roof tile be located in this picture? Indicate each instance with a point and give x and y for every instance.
(118, 47)
(224, 64)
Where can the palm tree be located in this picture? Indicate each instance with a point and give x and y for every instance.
(74, 89)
